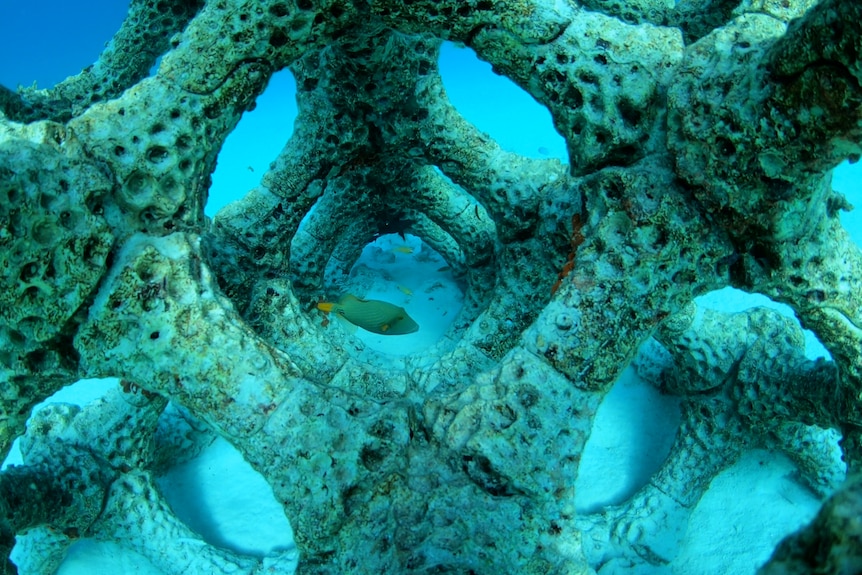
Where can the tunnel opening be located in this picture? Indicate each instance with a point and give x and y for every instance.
(257, 139)
(405, 272)
(491, 102)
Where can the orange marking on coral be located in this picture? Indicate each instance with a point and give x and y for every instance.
(576, 240)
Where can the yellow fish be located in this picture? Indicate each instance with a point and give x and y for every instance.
(403, 249)
(405, 290)
(372, 315)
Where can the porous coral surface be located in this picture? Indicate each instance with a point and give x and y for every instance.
(701, 135)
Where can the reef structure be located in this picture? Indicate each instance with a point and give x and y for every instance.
(701, 137)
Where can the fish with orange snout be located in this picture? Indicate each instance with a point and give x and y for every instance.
(371, 315)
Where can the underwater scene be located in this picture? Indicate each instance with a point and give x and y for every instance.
(472, 287)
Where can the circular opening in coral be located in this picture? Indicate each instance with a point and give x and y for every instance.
(497, 106)
(215, 508)
(406, 295)
(632, 434)
(256, 140)
(732, 300)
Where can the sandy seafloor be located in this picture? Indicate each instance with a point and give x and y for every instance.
(745, 513)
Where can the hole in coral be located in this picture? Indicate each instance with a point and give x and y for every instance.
(183, 143)
(491, 102)
(279, 10)
(28, 272)
(732, 300)
(45, 232)
(157, 154)
(278, 39)
(632, 434)
(404, 272)
(257, 139)
(213, 493)
(847, 179)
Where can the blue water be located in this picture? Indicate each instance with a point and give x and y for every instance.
(44, 41)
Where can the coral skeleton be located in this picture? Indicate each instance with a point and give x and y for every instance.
(701, 136)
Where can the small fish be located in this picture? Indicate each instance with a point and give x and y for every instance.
(250, 169)
(405, 290)
(444, 269)
(544, 151)
(403, 249)
(371, 315)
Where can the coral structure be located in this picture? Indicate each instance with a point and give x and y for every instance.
(701, 135)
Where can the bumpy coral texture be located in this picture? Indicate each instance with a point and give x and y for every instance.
(701, 135)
